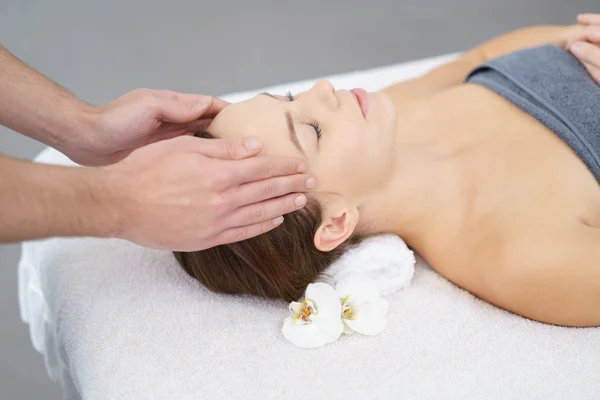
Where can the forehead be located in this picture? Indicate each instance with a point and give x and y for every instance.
(262, 117)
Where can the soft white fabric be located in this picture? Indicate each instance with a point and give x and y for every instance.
(116, 321)
(384, 258)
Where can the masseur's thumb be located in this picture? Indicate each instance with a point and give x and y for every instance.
(225, 149)
(182, 108)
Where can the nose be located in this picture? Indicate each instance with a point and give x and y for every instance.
(325, 92)
(324, 86)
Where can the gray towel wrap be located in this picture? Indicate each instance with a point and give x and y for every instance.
(550, 84)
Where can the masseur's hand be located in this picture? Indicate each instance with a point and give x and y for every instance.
(190, 194)
(585, 44)
(138, 118)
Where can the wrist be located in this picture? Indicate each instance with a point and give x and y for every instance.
(100, 199)
(75, 134)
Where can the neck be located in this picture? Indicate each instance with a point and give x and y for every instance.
(411, 200)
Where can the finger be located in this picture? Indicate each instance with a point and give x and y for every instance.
(216, 107)
(193, 127)
(266, 210)
(594, 72)
(226, 149)
(238, 234)
(210, 106)
(590, 34)
(198, 125)
(589, 19)
(169, 130)
(183, 108)
(213, 105)
(213, 148)
(255, 192)
(259, 168)
(586, 52)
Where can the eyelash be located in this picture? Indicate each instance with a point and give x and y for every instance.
(315, 125)
(312, 123)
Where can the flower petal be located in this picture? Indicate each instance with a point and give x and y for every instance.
(370, 318)
(328, 316)
(305, 336)
(347, 329)
(360, 287)
(330, 326)
(325, 300)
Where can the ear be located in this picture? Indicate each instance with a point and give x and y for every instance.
(336, 228)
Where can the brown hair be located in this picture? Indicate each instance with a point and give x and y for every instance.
(278, 264)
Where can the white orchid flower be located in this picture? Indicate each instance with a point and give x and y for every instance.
(316, 321)
(363, 309)
(353, 306)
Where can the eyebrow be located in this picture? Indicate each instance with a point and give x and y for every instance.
(290, 124)
(292, 132)
(270, 95)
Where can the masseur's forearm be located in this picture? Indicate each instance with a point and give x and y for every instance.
(37, 107)
(39, 200)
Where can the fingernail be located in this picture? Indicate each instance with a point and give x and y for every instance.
(310, 183)
(301, 168)
(252, 143)
(576, 49)
(300, 200)
(277, 221)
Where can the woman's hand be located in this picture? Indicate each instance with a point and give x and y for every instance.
(585, 44)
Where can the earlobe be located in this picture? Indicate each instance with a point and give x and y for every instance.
(335, 230)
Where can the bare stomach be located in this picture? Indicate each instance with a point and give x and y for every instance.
(517, 188)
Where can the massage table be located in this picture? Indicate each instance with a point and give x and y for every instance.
(118, 321)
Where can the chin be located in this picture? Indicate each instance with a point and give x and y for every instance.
(382, 113)
(382, 107)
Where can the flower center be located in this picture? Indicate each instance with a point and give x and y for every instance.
(302, 311)
(347, 311)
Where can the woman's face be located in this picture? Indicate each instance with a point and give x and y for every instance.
(345, 137)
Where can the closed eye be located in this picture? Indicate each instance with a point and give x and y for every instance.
(316, 127)
(288, 96)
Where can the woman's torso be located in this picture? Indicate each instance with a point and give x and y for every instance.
(510, 187)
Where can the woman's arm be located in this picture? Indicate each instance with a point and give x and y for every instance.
(557, 281)
(522, 39)
(454, 73)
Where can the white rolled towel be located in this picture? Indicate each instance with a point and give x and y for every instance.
(384, 258)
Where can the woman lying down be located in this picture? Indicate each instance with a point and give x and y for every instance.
(488, 167)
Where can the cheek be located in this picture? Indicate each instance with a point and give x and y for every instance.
(359, 144)
(348, 138)
(360, 161)
(342, 162)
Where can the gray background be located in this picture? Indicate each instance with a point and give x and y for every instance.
(102, 49)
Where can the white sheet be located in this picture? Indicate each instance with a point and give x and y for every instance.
(116, 321)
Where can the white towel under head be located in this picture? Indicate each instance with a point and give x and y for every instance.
(384, 258)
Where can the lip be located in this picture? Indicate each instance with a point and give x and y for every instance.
(362, 98)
